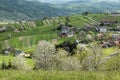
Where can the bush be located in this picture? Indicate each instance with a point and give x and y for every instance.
(46, 58)
(20, 63)
(113, 64)
(93, 60)
(81, 35)
(5, 66)
(67, 62)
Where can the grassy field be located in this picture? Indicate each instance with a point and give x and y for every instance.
(79, 20)
(57, 75)
(99, 17)
(108, 51)
(50, 24)
(6, 59)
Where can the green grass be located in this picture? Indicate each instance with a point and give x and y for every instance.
(61, 40)
(6, 59)
(26, 42)
(30, 50)
(3, 36)
(99, 17)
(79, 20)
(57, 75)
(108, 51)
(35, 31)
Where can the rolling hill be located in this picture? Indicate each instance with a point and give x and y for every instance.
(80, 6)
(34, 9)
(26, 10)
(45, 29)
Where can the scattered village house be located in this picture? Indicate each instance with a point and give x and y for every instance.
(3, 29)
(113, 41)
(66, 31)
(115, 14)
(101, 29)
(108, 22)
(21, 53)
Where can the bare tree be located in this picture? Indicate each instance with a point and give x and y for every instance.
(44, 55)
(93, 60)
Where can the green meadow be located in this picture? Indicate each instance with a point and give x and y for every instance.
(57, 75)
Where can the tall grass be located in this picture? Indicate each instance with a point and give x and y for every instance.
(58, 75)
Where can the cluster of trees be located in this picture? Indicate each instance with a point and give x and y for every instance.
(46, 57)
(86, 58)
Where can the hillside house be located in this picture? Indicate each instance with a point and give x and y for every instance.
(3, 29)
(64, 31)
(19, 53)
(6, 52)
(115, 36)
(101, 29)
(108, 22)
(67, 31)
(115, 14)
(113, 41)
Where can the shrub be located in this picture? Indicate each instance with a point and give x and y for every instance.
(113, 64)
(20, 63)
(81, 53)
(81, 35)
(4, 66)
(93, 60)
(67, 62)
